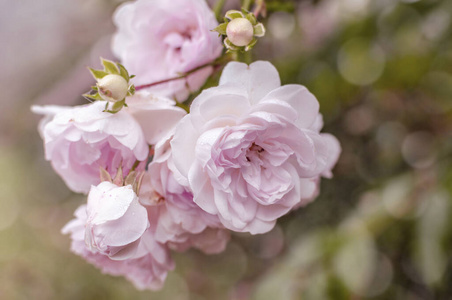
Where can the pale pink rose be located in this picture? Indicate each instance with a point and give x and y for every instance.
(48, 111)
(177, 220)
(79, 140)
(250, 148)
(148, 271)
(160, 39)
(116, 221)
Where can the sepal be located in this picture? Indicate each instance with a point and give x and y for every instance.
(234, 14)
(98, 74)
(110, 67)
(259, 30)
(221, 29)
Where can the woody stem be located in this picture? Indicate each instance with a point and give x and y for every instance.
(216, 63)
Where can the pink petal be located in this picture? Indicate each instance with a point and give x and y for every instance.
(259, 78)
(300, 99)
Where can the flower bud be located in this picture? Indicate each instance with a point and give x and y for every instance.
(113, 88)
(240, 32)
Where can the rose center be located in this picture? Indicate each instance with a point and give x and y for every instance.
(175, 40)
(254, 151)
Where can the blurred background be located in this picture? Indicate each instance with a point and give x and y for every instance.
(380, 229)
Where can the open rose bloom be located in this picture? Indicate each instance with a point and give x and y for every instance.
(145, 271)
(78, 140)
(159, 179)
(158, 40)
(250, 149)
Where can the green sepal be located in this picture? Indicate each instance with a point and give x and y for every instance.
(251, 44)
(117, 106)
(230, 46)
(250, 17)
(94, 88)
(259, 30)
(104, 175)
(136, 183)
(95, 96)
(131, 178)
(110, 67)
(98, 74)
(131, 90)
(234, 14)
(132, 76)
(221, 29)
(119, 179)
(244, 12)
(123, 72)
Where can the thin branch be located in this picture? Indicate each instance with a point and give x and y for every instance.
(218, 62)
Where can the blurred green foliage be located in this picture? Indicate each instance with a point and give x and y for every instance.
(380, 229)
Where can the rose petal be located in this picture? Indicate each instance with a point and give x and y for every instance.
(258, 79)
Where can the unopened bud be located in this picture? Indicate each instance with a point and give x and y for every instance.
(240, 32)
(113, 88)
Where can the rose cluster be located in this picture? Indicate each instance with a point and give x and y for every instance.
(160, 179)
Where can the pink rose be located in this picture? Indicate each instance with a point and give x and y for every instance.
(250, 148)
(159, 39)
(78, 140)
(148, 271)
(177, 220)
(116, 221)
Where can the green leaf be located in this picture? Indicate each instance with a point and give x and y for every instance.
(98, 74)
(221, 29)
(123, 72)
(250, 17)
(234, 14)
(259, 30)
(94, 88)
(110, 67)
(132, 76)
